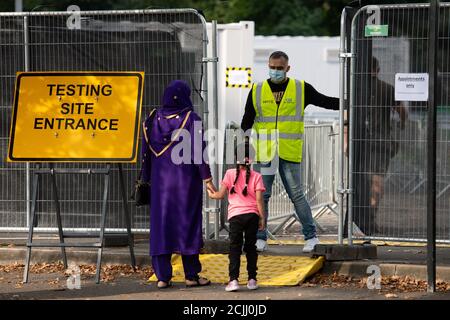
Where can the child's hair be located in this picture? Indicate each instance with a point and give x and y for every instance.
(247, 177)
(243, 154)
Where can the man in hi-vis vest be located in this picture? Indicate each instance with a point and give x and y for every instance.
(274, 111)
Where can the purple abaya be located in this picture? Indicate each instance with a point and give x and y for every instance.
(176, 189)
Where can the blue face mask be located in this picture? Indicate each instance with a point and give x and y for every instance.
(277, 76)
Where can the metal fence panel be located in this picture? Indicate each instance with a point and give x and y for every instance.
(165, 44)
(389, 162)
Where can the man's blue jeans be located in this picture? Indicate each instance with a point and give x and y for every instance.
(291, 176)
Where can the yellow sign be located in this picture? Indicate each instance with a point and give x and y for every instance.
(76, 116)
(238, 77)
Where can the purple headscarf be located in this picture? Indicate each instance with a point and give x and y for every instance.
(177, 95)
(176, 103)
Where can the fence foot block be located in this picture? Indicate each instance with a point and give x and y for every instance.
(117, 240)
(217, 246)
(337, 252)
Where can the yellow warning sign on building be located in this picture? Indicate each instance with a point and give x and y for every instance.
(238, 77)
(76, 116)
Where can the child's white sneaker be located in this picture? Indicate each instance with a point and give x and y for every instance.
(252, 284)
(232, 286)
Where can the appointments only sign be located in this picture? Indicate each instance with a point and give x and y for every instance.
(76, 116)
(411, 87)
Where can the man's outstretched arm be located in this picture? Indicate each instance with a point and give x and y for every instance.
(312, 96)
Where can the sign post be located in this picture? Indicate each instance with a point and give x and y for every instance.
(76, 117)
(431, 144)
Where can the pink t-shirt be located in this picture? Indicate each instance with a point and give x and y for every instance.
(237, 202)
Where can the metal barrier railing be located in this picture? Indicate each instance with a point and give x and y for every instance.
(319, 176)
(165, 44)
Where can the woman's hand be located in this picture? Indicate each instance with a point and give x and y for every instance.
(211, 194)
(210, 187)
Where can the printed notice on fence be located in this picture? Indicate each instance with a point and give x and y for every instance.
(76, 116)
(411, 86)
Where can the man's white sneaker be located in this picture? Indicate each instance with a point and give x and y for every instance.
(252, 284)
(310, 244)
(232, 286)
(261, 245)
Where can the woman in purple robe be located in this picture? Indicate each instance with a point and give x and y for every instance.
(176, 188)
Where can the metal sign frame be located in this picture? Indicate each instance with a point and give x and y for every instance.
(62, 236)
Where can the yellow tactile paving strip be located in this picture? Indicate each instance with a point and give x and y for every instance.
(375, 242)
(272, 270)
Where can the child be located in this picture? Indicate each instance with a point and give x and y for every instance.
(245, 214)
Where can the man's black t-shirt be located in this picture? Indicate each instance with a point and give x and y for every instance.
(311, 97)
(378, 111)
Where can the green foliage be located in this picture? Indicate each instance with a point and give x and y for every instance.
(272, 17)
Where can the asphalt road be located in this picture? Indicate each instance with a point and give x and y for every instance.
(49, 286)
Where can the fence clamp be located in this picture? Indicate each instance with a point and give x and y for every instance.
(345, 191)
(212, 59)
(347, 55)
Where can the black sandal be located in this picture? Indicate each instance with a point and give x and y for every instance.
(196, 282)
(165, 284)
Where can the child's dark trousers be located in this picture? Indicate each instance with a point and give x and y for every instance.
(243, 226)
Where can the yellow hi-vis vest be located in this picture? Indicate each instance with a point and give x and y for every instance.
(278, 128)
